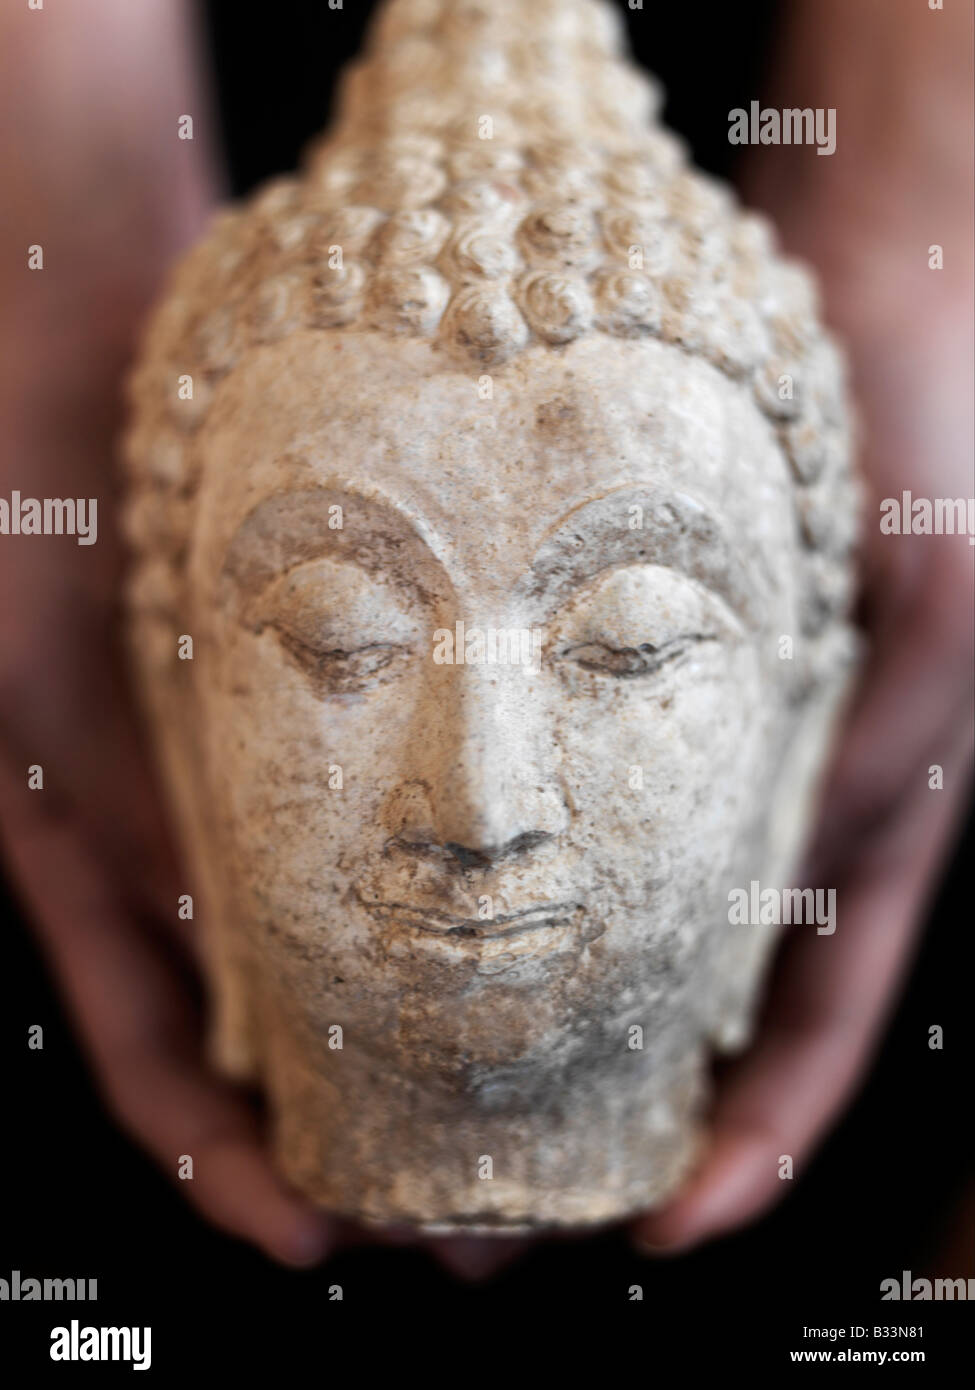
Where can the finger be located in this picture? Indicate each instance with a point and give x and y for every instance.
(475, 1258)
(112, 798)
(468, 1257)
(135, 1016)
(828, 1001)
(915, 694)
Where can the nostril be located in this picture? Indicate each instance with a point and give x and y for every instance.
(468, 858)
(484, 858)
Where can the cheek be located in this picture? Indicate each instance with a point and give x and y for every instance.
(667, 784)
(669, 762)
(299, 781)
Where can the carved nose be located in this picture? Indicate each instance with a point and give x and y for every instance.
(493, 796)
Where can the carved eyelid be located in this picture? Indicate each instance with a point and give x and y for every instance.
(674, 601)
(657, 656)
(289, 608)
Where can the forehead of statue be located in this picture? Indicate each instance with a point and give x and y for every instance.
(495, 458)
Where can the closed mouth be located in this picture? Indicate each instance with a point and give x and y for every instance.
(445, 925)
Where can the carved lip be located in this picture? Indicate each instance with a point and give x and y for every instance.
(444, 924)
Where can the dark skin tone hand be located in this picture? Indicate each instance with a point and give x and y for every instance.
(90, 855)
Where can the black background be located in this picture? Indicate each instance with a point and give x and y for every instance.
(883, 1195)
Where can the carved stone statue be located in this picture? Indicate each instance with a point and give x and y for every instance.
(500, 472)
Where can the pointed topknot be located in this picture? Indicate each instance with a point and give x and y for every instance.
(534, 69)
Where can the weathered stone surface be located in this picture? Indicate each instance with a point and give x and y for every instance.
(552, 381)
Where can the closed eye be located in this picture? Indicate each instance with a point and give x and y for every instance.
(346, 632)
(341, 672)
(627, 662)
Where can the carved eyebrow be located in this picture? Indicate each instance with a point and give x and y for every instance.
(293, 527)
(658, 527)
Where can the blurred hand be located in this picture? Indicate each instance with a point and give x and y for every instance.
(111, 196)
(866, 219)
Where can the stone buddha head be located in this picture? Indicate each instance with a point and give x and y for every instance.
(500, 472)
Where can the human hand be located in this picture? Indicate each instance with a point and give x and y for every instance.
(111, 198)
(866, 221)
